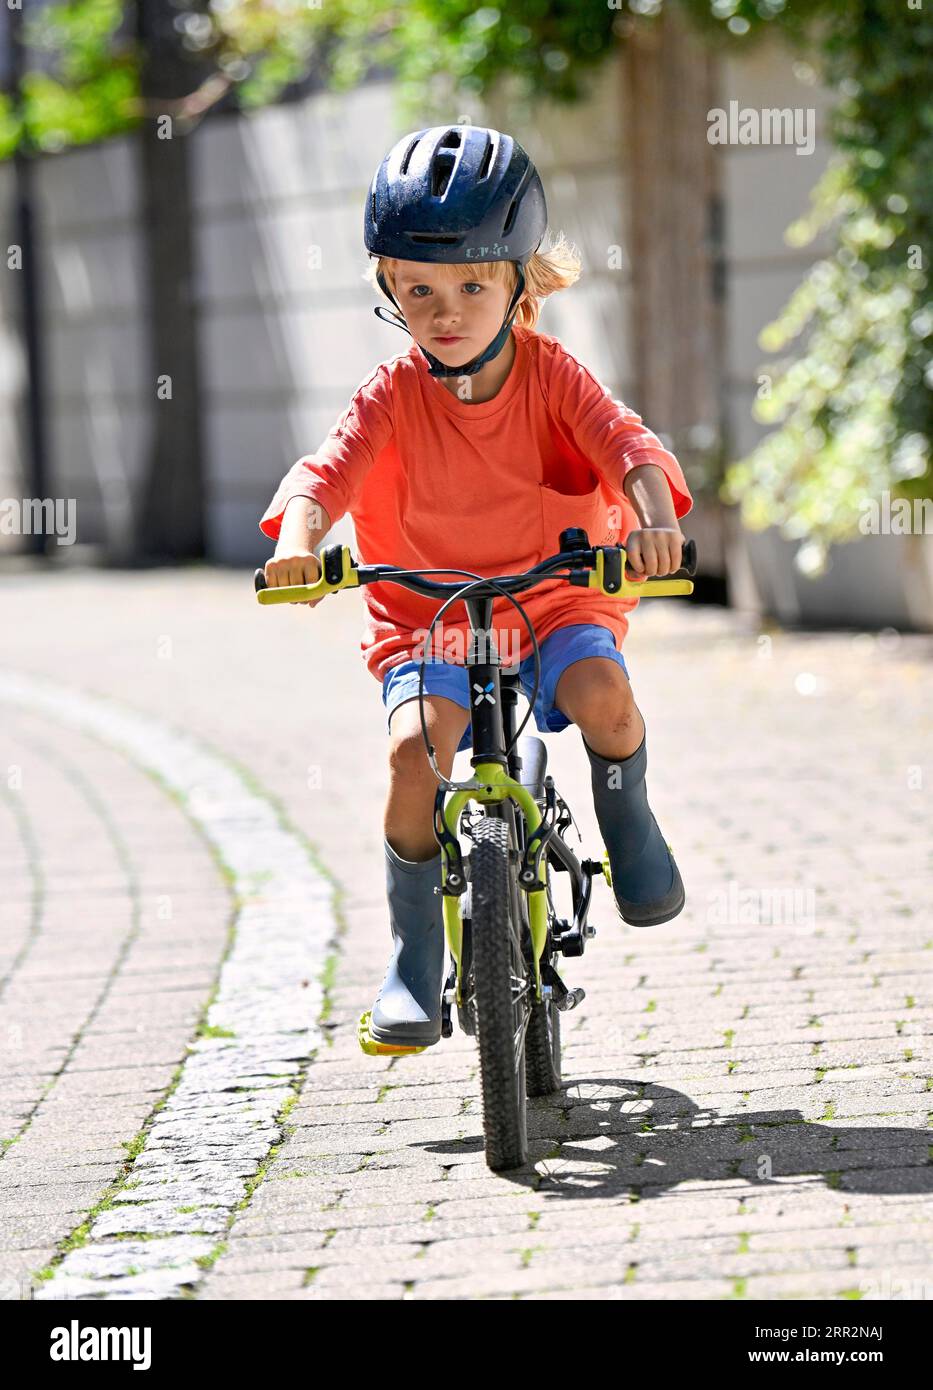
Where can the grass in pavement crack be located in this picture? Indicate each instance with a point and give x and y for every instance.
(526, 1256)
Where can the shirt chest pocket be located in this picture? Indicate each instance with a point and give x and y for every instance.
(591, 510)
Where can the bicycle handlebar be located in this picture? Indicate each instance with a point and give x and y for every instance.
(601, 567)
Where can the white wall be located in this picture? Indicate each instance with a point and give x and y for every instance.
(91, 297)
(765, 188)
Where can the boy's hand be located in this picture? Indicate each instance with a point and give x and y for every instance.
(654, 551)
(293, 566)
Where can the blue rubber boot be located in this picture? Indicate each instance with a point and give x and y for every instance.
(646, 882)
(407, 1011)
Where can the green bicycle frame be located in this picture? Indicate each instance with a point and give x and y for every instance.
(493, 784)
(497, 786)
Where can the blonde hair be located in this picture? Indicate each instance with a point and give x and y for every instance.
(556, 267)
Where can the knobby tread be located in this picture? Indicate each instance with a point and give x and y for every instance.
(542, 1055)
(502, 1084)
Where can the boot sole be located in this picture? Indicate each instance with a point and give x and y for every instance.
(663, 915)
(374, 1045)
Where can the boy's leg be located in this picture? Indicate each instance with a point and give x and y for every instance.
(412, 785)
(407, 1010)
(595, 694)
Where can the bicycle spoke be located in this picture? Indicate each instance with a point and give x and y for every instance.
(519, 1039)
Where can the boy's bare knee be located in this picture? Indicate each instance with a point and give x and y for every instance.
(408, 756)
(595, 693)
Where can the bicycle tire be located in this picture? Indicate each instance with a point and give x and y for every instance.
(499, 1007)
(542, 1049)
(464, 1008)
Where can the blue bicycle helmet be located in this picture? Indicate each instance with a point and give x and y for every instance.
(455, 194)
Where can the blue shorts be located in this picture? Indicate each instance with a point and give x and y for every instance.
(558, 651)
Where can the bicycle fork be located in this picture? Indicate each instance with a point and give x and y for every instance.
(494, 785)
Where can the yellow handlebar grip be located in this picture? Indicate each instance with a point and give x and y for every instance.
(631, 588)
(306, 593)
(657, 588)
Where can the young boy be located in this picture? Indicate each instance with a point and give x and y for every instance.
(473, 450)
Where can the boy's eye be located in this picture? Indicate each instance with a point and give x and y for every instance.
(469, 285)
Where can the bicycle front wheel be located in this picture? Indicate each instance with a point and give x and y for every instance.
(502, 997)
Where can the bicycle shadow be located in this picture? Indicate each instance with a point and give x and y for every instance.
(603, 1134)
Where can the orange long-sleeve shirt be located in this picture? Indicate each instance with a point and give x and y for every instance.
(431, 480)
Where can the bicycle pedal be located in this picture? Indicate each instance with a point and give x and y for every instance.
(570, 1000)
(373, 1047)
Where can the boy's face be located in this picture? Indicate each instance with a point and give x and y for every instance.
(452, 318)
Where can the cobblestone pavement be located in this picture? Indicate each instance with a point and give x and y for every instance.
(184, 1110)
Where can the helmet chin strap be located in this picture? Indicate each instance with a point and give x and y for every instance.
(435, 366)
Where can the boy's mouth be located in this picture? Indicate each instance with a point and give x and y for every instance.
(448, 340)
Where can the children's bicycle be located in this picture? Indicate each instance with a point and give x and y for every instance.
(502, 927)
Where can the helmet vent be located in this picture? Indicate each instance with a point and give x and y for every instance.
(487, 160)
(451, 141)
(441, 169)
(408, 154)
(434, 238)
(510, 217)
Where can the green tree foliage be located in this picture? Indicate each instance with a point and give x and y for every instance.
(853, 407)
(80, 83)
